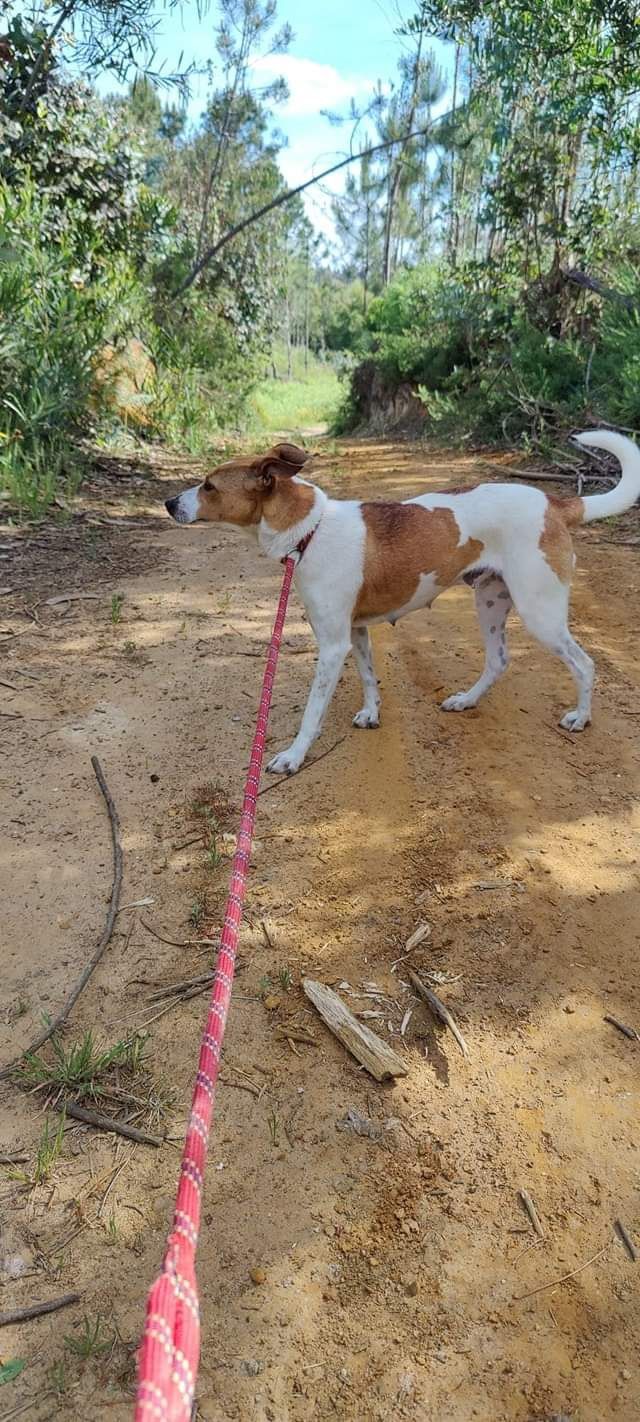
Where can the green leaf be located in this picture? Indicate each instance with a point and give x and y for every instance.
(11, 1370)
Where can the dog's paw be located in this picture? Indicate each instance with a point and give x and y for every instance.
(575, 721)
(460, 701)
(286, 763)
(367, 720)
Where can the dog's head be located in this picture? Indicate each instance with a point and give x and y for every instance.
(236, 492)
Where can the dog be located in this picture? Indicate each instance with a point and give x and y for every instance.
(362, 563)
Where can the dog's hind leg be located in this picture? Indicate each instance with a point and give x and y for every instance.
(369, 716)
(493, 605)
(542, 601)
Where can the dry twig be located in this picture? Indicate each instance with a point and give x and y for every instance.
(627, 1241)
(307, 766)
(629, 1032)
(62, 1016)
(108, 1123)
(21, 1315)
(553, 1283)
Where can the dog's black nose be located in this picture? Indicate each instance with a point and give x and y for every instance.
(171, 505)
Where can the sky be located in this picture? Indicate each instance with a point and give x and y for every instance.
(339, 50)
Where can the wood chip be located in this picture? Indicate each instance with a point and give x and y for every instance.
(532, 1212)
(422, 931)
(373, 1054)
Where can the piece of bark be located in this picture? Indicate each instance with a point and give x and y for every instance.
(439, 1010)
(375, 1055)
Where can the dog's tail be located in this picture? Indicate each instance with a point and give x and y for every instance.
(618, 500)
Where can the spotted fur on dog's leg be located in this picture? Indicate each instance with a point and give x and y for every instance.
(369, 717)
(493, 605)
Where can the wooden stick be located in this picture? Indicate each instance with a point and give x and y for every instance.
(20, 1315)
(375, 1055)
(629, 1032)
(176, 989)
(439, 1010)
(532, 1212)
(627, 1241)
(116, 886)
(107, 1123)
(553, 1284)
(307, 766)
(15, 1157)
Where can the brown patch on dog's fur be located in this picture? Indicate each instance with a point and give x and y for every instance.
(555, 540)
(244, 490)
(403, 541)
(571, 510)
(288, 504)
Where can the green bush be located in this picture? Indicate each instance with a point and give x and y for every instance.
(52, 324)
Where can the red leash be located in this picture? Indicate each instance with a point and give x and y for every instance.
(170, 1348)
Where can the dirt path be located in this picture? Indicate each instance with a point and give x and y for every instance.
(400, 1277)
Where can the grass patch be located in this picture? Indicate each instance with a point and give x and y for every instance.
(80, 1067)
(310, 398)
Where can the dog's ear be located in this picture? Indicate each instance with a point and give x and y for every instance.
(291, 454)
(285, 459)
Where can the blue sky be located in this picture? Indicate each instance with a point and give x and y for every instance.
(340, 49)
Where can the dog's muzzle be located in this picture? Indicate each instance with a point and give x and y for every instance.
(171, 506)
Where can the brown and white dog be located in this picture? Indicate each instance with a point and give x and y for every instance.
(361, 563)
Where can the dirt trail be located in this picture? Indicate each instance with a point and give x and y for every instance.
(400, 1277)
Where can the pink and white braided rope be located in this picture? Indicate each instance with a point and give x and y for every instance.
(170, 1348)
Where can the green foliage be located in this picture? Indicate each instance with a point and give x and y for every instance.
(80, 1066)
(12, 1369)
(309, 398)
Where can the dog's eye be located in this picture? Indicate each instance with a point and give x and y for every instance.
(209, 488)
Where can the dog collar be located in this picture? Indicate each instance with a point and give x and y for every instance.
(300, 547)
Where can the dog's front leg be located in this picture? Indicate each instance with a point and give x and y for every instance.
(331, 657)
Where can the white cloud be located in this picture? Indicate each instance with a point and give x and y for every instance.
(311, 86)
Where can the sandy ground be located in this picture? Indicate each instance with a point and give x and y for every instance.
(400, 1277)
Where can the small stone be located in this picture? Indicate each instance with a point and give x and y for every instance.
(411, 1288)
(251, 1367)
(154, 778)
(569, 1007)
(271, 1002)
(257, 1276)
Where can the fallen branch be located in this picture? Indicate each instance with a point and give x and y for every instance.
(21, 1315)
(439, 1010)
(290, 193)
(116, 887)
(375, 1055)
(532, 1212)
(608, 293)
(553, 1283)
(307, 766)
(108, 1123)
